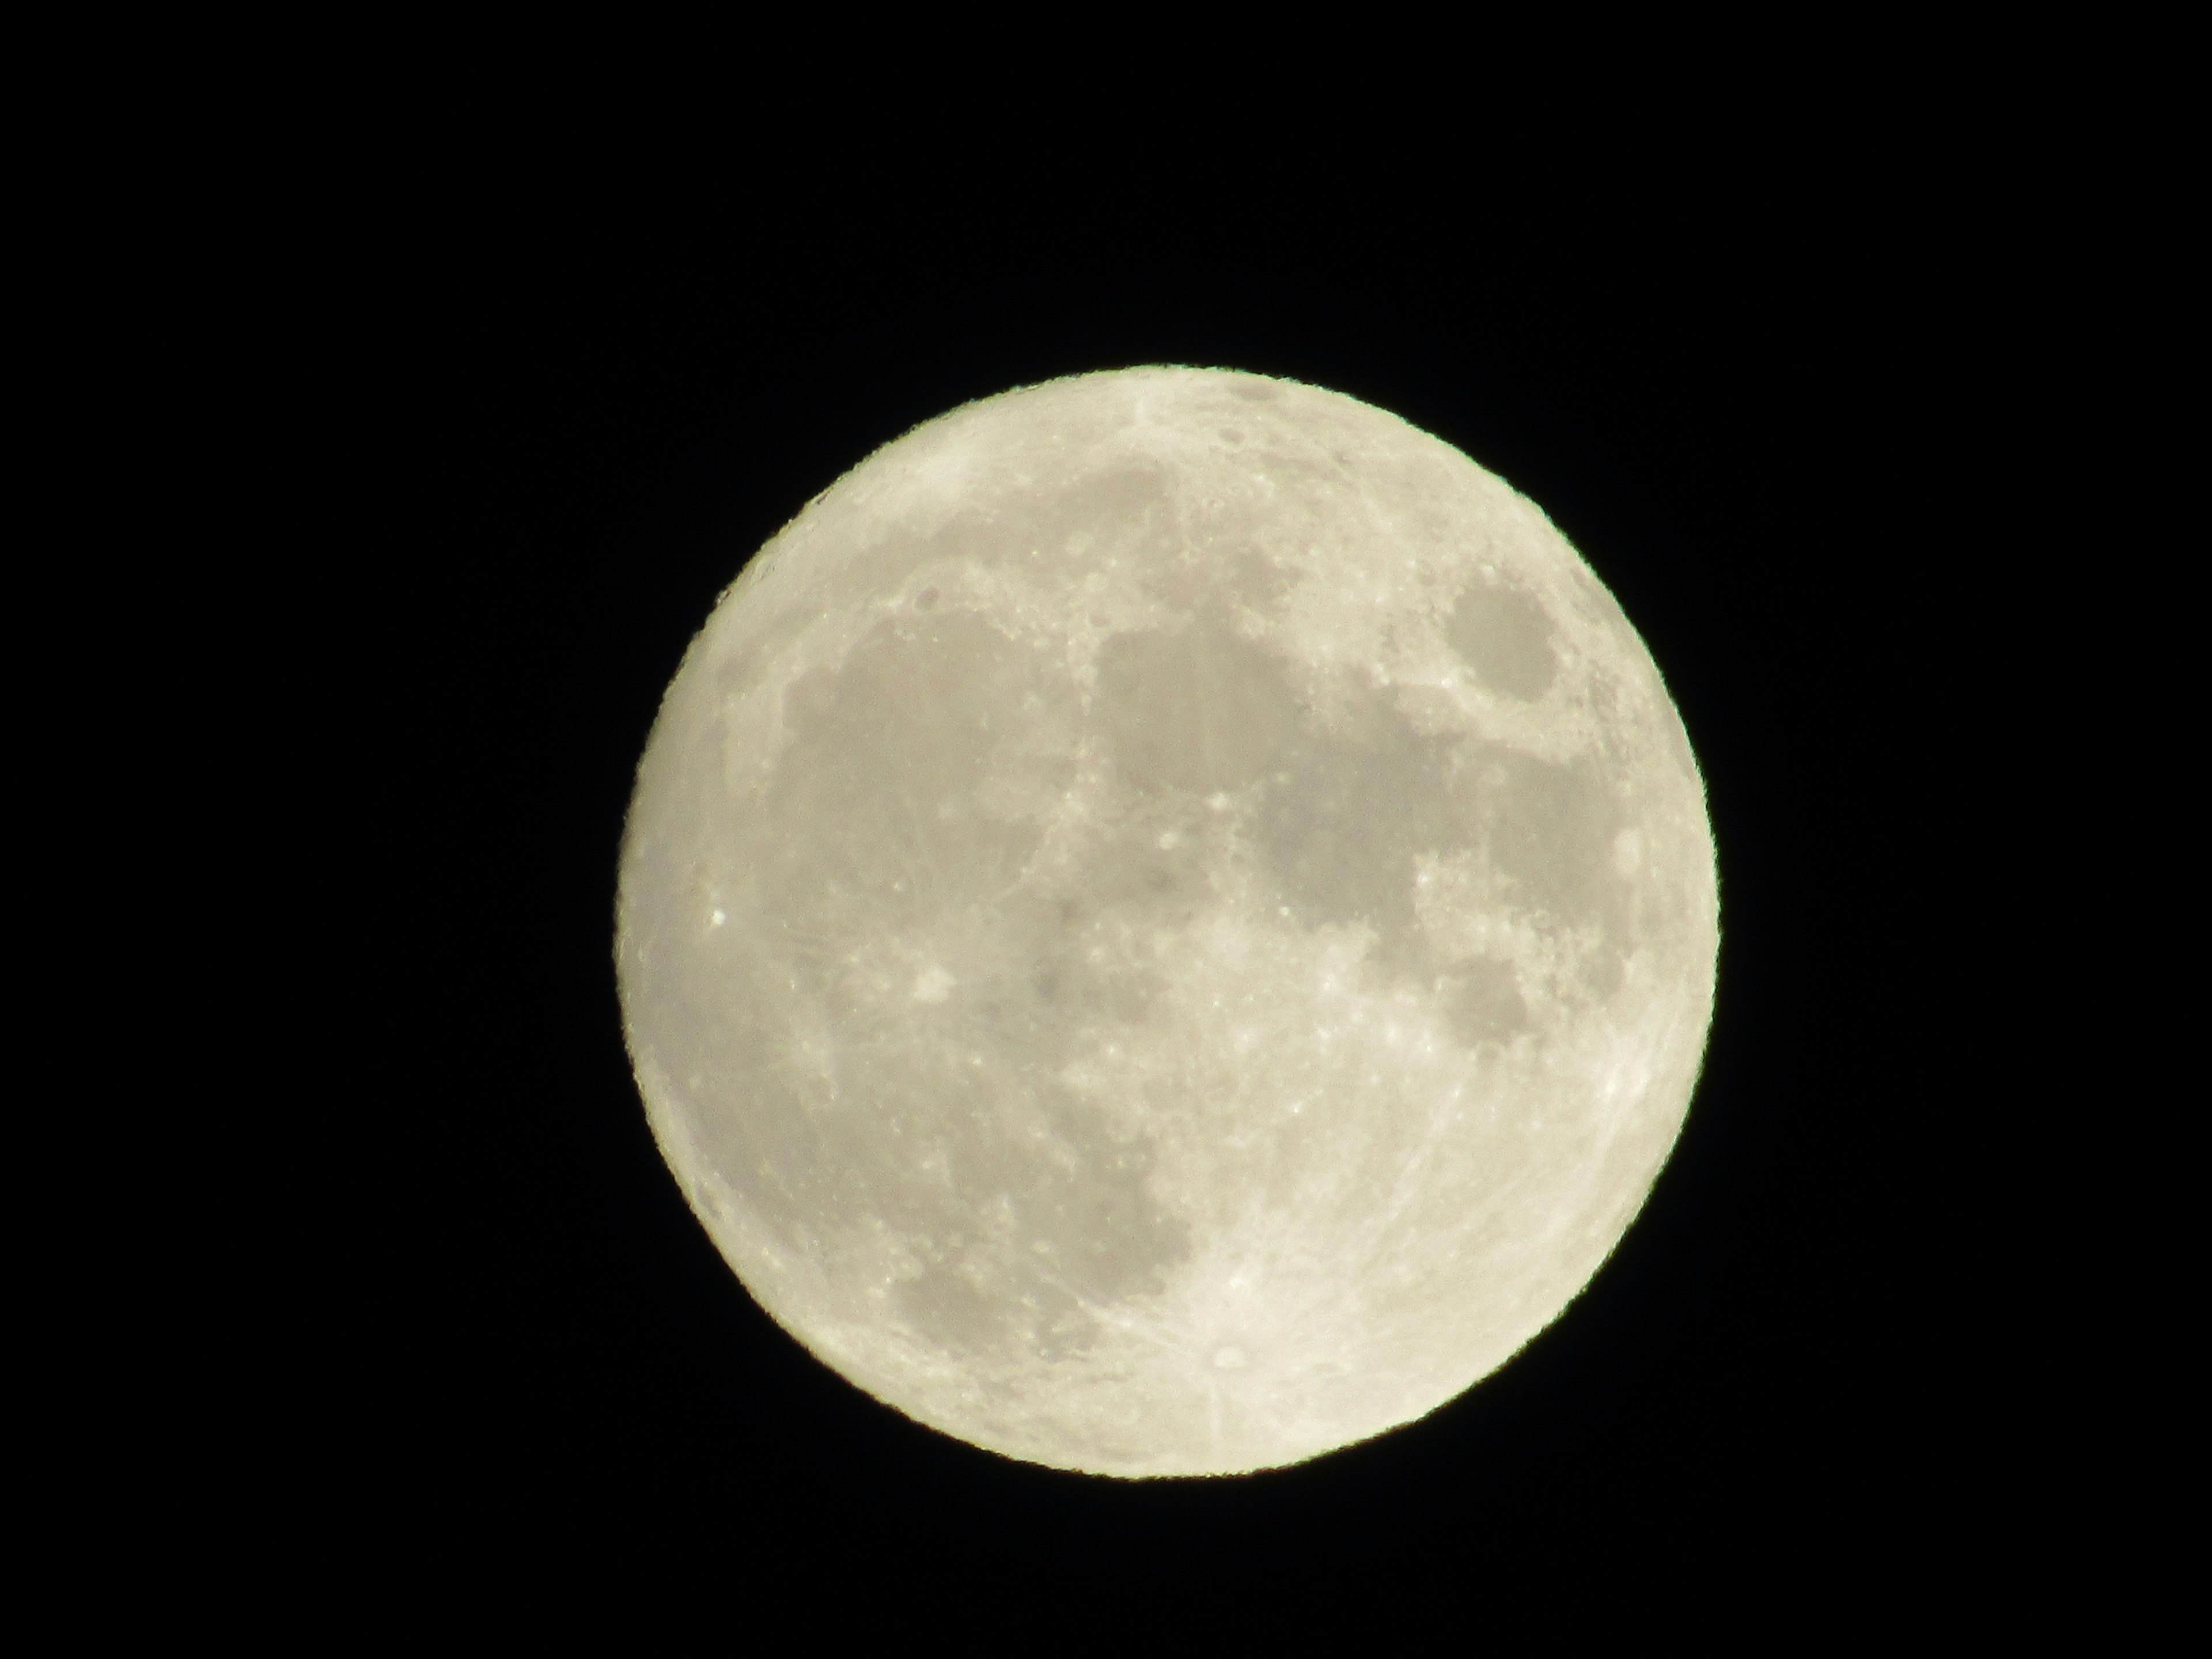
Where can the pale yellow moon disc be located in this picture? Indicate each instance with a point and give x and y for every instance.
(1168, 923)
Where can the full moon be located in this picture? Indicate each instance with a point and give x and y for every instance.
(1167, 924)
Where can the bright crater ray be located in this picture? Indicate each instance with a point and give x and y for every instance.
(1168, 923)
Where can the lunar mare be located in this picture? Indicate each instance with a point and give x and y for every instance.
(1167, 924)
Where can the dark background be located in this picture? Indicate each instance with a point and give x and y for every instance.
(1732, 401)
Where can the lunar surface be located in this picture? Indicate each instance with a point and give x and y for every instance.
(1168, 923)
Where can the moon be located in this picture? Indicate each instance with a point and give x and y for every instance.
(1167, 924)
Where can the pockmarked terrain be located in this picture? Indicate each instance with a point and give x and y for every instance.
(1168, 923)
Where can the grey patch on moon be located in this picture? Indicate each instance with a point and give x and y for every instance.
(1484, 1003)
(1354, 806)
(1086, 1006)
(1194, 708)
(1506, 638)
